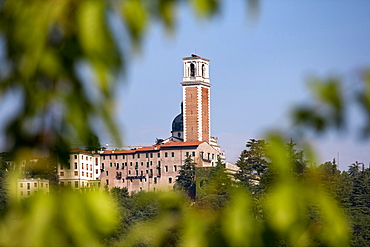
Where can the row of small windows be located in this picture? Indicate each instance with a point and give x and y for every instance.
(86, 157)
(147, 155)
(34, 185)
(149, 171)
(155, 180)
(76, 166)
(82, 173)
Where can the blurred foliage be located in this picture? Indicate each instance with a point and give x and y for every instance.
(295, 211)
(63, 59)
(329, 109)
(65, 219)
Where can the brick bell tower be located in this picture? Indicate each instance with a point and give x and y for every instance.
(196, 99)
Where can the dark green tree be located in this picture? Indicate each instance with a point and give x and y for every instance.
(185, 181)
(4, 169)
(214, 188)
(297, 158)
(252, 163)
(94, 144)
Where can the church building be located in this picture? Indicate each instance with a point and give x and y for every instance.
(156, 167)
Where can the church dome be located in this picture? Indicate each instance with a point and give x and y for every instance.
(178, 123)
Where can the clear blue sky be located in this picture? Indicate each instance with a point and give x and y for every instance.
(259, 70)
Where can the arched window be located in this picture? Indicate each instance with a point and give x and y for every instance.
(192, 69)
(170, 180)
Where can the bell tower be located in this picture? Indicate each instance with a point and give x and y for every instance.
(196, 99)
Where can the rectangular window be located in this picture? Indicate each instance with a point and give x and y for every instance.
(110, 164)
(28, 186)
(123, 156)
(138, 156)
(146, 155)
(91, 168)
(61, 174)
(187, 154)
(21, 185)
(106, 172)
(103, 157)
(75, 156)
(159, 163)
(159, 155)
(102, 166)
(165, 154)
(175, 168)
(193, 154)
(151, 155)
(76, 173)
(83, 174)
(130, 163)
(170, 180)
(133, 156)
(116, 156)
(151, 171)
(75, 165)
(172, 154)
(82, 165)
(96, 171)
(137, 172)
(61, 167)
(35, 185)
(166, 168)
(155, 180)
(96, 161)
(213, 156)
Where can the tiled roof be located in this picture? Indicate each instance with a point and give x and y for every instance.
(79, 150)
(182, 144)
(155, 148)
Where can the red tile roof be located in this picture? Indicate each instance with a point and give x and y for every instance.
(154, 148)
(79, 150)
(182, 144)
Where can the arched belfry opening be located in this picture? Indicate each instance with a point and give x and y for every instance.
(203, 71)
(192, 70)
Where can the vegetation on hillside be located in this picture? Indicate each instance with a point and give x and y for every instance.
(49, 47)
